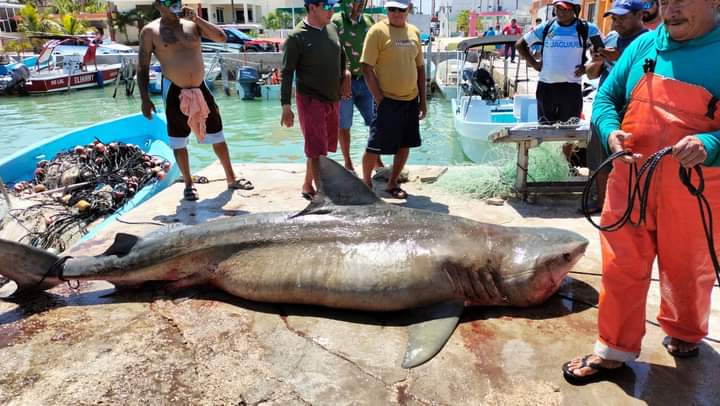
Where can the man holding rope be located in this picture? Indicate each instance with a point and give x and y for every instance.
(663, 92)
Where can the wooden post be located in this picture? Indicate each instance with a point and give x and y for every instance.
(523, 158)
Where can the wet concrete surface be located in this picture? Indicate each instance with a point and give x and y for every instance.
(95, 345)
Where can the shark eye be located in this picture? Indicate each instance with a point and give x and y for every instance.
(567, 257)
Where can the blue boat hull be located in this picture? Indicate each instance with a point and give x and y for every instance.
(149, 135)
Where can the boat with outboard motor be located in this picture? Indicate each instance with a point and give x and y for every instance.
(61, 65)
(482, 107)
(139, 137)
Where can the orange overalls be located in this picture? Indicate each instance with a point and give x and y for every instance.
(660, 113)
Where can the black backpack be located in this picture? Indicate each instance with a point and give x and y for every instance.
(583, 30)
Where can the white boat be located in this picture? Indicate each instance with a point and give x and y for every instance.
(478, 108)
(446, 76)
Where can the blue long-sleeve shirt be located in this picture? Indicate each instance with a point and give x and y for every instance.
(695, 61)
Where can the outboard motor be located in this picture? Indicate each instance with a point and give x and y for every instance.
(483, 84)
(16, 83)
(248, 79)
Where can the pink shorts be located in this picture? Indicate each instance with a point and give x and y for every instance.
(319, 122)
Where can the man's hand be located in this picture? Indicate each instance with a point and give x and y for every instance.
(288, 117)
(378, 100)
(537, 65)
(690, 151)
(610, 54)
(188, 13)
(346, 90)
(620, 140)
(579, 70)
(148, 108)
(423, 110)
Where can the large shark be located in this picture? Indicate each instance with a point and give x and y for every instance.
(348, 249)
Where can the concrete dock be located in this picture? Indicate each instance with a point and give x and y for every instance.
(204, 347)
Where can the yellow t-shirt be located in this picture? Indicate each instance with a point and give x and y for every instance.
(395, 53)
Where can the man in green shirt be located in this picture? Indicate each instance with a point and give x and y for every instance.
(352, 27)
(313, 51)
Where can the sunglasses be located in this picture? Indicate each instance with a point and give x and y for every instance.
(648, 5)
(169, 3)
(396, 10)
(326, 7)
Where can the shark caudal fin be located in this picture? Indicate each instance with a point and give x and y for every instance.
(339, 187)
(29, 267)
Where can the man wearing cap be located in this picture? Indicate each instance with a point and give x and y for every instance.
(352, 27)
(651, 14)
(392, 64)
(627, 25)
(563, 42)
(511, 29)
(313, 50)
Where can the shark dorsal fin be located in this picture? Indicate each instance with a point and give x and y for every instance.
(338, 187)
(122, 245)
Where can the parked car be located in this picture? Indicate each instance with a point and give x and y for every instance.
(247, 43)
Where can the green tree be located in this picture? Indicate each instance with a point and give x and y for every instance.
(122, 20)
(277, 20)
(462, 21)
(32, 21)
(73, 26)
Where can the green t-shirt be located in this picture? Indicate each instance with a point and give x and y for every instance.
(317, 58)
(352, 36)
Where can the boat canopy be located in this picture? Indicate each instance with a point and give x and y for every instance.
(487, 41)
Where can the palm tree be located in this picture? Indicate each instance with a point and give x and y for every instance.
(72, 25)
(122, 20)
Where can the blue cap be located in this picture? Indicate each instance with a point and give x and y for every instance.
(622, 7)
(329, 2)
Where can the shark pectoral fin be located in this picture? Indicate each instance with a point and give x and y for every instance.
(426, 338)
(122, 245)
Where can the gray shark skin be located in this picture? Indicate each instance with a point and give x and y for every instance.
(347, 249)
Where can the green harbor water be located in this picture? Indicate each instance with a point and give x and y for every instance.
(252, 128)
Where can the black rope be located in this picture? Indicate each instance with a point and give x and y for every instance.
(636, 193)
(56, 269)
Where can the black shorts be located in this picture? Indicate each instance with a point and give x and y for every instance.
(558, 102)
(396, 125)
(178, 128)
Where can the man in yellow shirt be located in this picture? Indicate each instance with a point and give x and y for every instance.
(392, 64)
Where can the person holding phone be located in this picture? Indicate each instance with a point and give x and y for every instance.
(563, 47)
(627, 25)
(174, 38)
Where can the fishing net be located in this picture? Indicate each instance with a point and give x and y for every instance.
(496, 178)
(78, 187)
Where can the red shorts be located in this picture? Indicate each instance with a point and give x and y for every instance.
(319, 123)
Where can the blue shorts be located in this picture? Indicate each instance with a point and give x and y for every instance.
(362, 98)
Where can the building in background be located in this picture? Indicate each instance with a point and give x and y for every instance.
(591, 10)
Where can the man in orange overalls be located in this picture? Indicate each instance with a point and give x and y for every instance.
(668, 85)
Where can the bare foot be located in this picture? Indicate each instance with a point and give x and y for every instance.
(576, 365)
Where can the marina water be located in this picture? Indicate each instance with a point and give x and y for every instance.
(251, 128)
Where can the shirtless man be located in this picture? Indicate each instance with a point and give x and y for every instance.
(175, 41)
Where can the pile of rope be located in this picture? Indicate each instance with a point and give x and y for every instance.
(80, 186)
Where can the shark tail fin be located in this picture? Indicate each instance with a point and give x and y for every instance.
(29, 267)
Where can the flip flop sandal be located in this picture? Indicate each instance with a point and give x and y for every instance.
(602, 373)
(241, 184)
(677, 353)
(397, 193)
(190, 194)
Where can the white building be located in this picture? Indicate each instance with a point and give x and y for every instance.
(222, 11)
